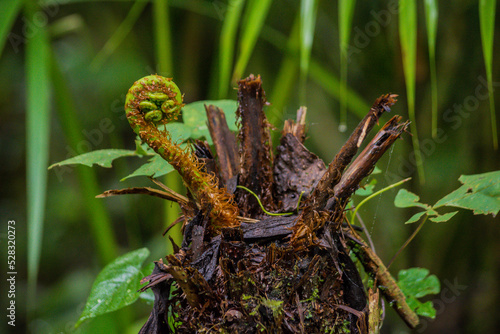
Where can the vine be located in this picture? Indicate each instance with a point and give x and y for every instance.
(155, 100)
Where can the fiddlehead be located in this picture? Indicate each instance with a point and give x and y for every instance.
(155, 100)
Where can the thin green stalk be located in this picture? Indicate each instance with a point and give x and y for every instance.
(119, 35)
(172, 210)
(375, 194)
(100, 223)
(408, 39)
(487, 22)
(345, 15)
(408, 241)
(431, 19)
(163, 46)
(262, 206)
(37, 143)
(227, 44)
(163, 40)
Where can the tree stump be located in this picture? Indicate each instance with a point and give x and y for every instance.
(288, 273)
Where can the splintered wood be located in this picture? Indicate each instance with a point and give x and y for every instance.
(289, 273)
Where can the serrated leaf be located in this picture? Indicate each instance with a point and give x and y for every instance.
(103, 158)
(417, 283)
(155, 167)
(480, 193)
(406, 199)
(415, 217)
(443, 218)
(195, 117)
(116, 285)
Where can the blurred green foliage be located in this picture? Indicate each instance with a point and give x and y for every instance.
(65, 68)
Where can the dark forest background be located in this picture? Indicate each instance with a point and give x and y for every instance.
(65, 67)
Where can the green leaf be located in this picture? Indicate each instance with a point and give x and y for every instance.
(155, 167)
(416, 217)
(367, 189)
(255, 15)
(141, 148)
(116, 285)
(179, 132)
(103, 158)
(480, 193)
(195, 117)
(38, 95)
(487, 22)
(443, 218)
(417, 283)
(376, 170)
(408, 41)
(406, 199)
(227, 44)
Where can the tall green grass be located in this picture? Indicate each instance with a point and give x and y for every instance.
(227, 41)
(431, 20)
(345, 15)
(308, 13)
(408, 40)
(37, 142)
(487, 22)
(255, 14)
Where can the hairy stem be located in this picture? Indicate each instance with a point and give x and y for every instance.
(155, 100)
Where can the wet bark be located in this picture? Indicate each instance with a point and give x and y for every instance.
(276, 274)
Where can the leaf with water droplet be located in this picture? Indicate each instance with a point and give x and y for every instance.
(116, 286)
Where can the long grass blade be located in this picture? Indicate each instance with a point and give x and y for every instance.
(286, 78)
(119, 35)
(408, 40)
(8, 13)
(487, 22)
(346, 13)
(163, 40)
(100, 223)
(227, 43)
(37, 142)
(308, 13)
(331, 84)
(255, 14)
(431, 20)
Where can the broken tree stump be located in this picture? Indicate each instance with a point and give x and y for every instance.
(284, 267)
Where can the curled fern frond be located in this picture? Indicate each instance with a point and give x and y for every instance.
(155, 100)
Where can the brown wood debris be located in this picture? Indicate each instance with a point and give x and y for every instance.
(276, 274)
